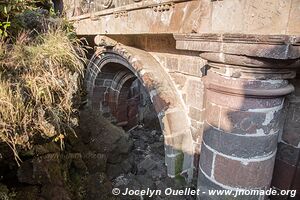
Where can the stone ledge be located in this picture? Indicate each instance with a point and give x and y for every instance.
(265, 46)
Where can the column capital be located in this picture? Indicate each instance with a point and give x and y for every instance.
(246, 55)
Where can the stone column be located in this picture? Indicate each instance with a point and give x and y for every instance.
(243, 119)
(245, 89)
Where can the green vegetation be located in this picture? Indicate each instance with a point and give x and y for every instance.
(40, 75)
(16, 15)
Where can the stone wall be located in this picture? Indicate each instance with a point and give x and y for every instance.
(221, 67)
(185, 16)
(287, 167)
(110, 70)
(185, 71)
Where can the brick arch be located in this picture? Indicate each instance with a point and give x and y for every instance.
(128, 63)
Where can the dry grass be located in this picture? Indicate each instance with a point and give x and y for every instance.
(39, 79)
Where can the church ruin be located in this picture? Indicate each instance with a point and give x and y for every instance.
(223, 76)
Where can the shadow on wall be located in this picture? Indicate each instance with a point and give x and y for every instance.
(287, 166)
(243, 120)
(125, 101)
(111, 80)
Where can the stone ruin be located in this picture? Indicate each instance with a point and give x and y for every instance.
(223, 76)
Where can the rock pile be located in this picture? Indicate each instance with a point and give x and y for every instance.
(101, 157)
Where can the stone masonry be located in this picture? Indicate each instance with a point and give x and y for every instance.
(223, 76)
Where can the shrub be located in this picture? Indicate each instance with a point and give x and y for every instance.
(39, 79)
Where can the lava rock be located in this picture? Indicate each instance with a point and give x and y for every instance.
(54, 192)
(147, 165)
(42, 170)
(95, 162)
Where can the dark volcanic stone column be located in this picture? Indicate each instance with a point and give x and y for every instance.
(246, 86)
(243, 120)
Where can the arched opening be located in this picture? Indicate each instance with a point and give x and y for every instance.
(121, 79)
(120, 97)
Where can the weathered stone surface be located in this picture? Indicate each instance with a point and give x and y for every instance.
(259, 17)
(95, 162)
(261, 46)
(161, 104)
(219, 15)
(251, 16)
(241, 172)
(197, 133)
(196, 114)
(296, 185)
(283, 175)
(242, 126)
(206, 160)
(172, 63)
(191, 65)
(230, 144)
(55, 193)
(195, 92)
(98, 187)
(175, 122)
(43, 170)
(242, 103)
(179, 79)
(169, 13)
(292, 125)
(244, 41)
(205, 184)
(288, 153)
(147, 165)
(294, 18)
(113, 171)
(28, 193)
(241, 122)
